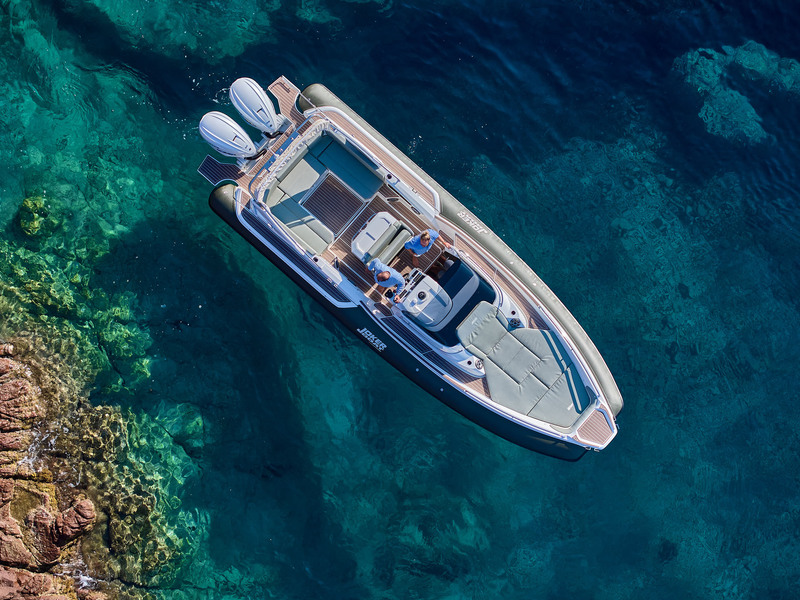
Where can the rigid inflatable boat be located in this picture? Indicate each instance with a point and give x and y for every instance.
(324, 196)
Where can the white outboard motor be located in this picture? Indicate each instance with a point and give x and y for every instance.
(254, 105)
(226, 136)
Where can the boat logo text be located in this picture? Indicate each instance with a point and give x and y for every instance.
(472, 222)
(372, 339)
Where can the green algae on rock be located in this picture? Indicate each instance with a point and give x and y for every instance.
(37, 218)
(136, 472)
(46, 291)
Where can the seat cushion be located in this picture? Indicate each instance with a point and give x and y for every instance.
(519, 396)
(550, 357)
(318, 146)
(564, 401)
(274, 194)
(527, 370)
(481, 331)
(321, 230)
(290, 164)
(394, 246)
(301, 178)
(379, 245)
(307, 229)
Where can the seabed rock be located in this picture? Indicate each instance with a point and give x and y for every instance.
(37, 218)
(727, 112)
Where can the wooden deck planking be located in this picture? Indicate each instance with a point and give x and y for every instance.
(476, 385)
(333, 204)
(286, 92)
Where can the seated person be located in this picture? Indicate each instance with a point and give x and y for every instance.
(420, 244)
(386, 276)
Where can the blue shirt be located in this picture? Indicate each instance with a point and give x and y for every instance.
(376, 266)
(415, 245)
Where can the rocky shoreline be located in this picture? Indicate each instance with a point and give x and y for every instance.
(89, 494)
(41, 522)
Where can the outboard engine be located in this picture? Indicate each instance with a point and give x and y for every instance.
(254, 105)
(226, 136)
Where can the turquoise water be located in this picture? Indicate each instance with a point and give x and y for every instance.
(640, 156)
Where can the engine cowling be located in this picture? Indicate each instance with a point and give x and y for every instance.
(226, 136)
(254, 105)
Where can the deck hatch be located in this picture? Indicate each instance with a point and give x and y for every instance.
(333, 204)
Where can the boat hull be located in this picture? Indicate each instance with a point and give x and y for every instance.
(358, 320)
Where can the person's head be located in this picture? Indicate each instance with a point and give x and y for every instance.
(383, 275)
(425, 238)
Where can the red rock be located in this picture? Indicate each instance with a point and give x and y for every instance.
(13, 389)
(75, 520)
(36, 584)
(18, 407)
(14, 440)
(14, 553)
(16, 584)
(42, 525)
(28, 549)
(91, 595)
(6, 490)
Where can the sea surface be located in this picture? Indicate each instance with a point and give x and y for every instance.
(641, 155)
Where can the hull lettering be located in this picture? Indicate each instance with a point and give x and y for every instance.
(374, 340)
(469, 220)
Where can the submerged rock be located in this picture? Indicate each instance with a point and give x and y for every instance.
(56, 296)
(727, 112)
(37, 218)
(135, 473)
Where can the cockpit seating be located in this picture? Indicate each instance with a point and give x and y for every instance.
(382, 237)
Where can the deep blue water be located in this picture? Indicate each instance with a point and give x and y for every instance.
(574, 130)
